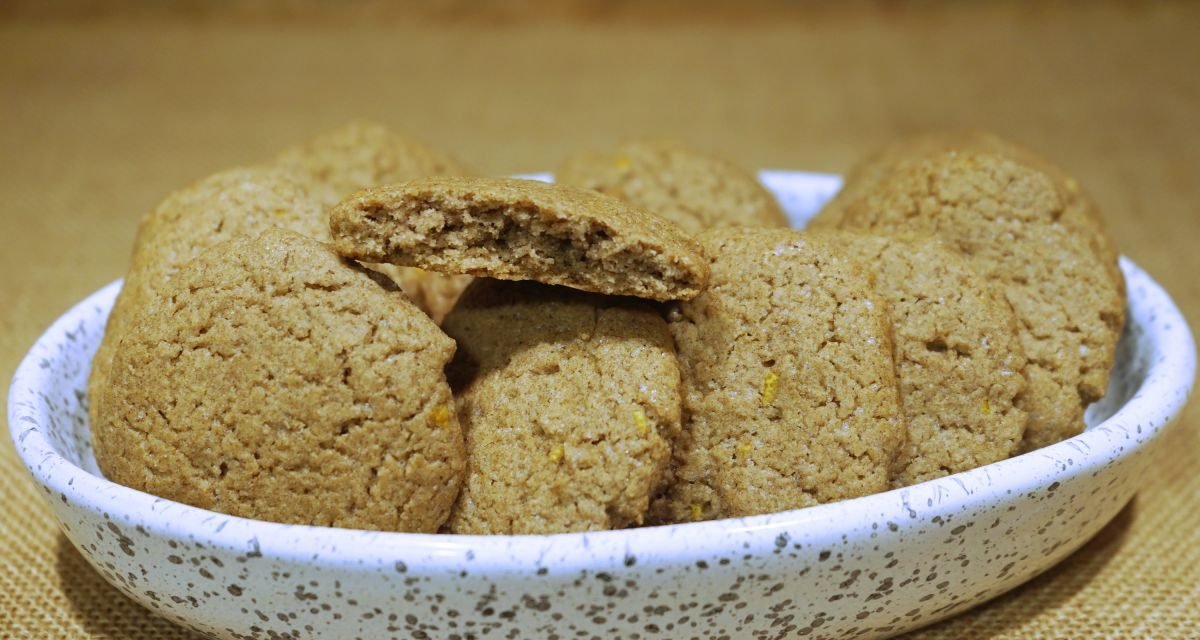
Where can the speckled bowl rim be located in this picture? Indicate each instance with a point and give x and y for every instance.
(1160, 397)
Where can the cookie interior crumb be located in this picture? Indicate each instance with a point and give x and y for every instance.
(521, 230)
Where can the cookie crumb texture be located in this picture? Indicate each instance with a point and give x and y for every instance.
(959, 361)
(1032, 236)
(232, 203)
(569, 402)
(521, 230)
(790, 395)
(691, 189)
(362, 154)
(273, 380)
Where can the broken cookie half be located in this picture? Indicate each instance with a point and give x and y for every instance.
(521, 230)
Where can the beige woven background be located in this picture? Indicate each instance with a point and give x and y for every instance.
(106, 108)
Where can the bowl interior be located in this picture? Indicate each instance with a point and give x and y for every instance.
(66, 401)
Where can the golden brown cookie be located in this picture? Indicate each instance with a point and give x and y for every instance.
(243, 201)
(1030, 237)
(692, 189)
(864, 176)
(270, 379)
(1078, 210)
(569, 402)
(361, 154)
(521, 230)
(958, 357)
(790, 395)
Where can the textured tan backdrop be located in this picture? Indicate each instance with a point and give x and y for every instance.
(106, 108)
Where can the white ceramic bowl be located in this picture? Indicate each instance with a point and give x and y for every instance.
(868, 567)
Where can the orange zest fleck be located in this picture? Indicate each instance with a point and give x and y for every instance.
(441, 416)
(770, 388)
(643, 424)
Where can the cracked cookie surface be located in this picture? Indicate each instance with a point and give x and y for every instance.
(273, 380)
(692, 189)
(790, 395)
(241, 201)
(362, 154)
(569, 402)
(959, 361)
(521, 230)
(1033, 237)
(1078, 210)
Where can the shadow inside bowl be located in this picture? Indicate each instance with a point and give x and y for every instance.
(1131, 365)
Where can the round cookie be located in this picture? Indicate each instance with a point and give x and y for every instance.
(568, 401)
(1020, 230)
(958, 359)
(362, 154)
(790, 395)
(692, 189)
(270, 379)
(866, 175)
(521, 230)
(242, 201)
(1078, 210)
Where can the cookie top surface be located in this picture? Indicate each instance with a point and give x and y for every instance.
(237, 202)
(790, 393)
(232, 203)
(569, 402)
(363, 154)
(1076, 209)
(691, 189)
(521, 230)
(273, 380)
(1019, 230)
(958, 358)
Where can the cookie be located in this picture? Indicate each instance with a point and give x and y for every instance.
(521, 230)
(568, 400)
(958, 358)
(692, 189)
(243, 201)
(1078, 210)
(361, 154)
(270, 379)
(864, 176)
(1030, 237)
(790, 394)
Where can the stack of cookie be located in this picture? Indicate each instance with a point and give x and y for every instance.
(644, 342)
